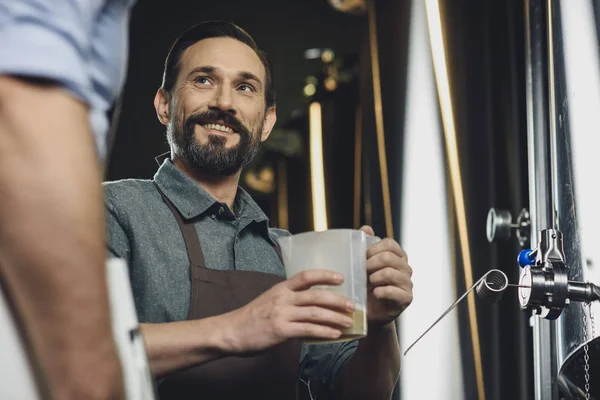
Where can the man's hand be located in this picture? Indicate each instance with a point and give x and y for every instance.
(289, 310)
(389, 285)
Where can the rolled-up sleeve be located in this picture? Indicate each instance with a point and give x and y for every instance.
(81, 45)
(321, 367)
(49, 39)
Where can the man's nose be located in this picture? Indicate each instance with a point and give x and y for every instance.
(223, 100)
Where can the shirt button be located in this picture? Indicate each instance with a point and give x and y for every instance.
(221, 210)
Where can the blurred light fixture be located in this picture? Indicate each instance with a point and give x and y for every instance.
(317, 170)
(327, 56)
(330, 83)
(312, 54)
(349, 6)
(262, 180)
(282, 195)
(309, 90)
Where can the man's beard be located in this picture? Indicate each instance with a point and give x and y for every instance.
(213, 158)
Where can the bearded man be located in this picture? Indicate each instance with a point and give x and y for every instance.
(219, 318)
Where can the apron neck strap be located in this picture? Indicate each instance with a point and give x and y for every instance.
(192, 243)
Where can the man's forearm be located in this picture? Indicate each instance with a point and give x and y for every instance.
(178, 345)
(373, 370)
(52, 254)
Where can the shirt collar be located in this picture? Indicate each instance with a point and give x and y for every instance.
(192, 200)
(246, 207)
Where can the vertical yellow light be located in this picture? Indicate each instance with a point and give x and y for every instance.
(357, 165)
(438, 51)
(378, 108)
(317, 171)
(282, 195)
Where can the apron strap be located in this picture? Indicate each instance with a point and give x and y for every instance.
(190, 237)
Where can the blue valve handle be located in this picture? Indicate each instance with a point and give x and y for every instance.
(526, 258)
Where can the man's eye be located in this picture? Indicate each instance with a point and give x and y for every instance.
(203, 80)
(246, 88)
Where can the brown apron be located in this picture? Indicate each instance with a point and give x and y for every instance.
(272, 374)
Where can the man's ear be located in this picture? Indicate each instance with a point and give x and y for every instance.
(270, 119)
(161, 104)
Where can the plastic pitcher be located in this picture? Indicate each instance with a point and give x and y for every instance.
(340, 250)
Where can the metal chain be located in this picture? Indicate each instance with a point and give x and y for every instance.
(593, 334)
(586, 356)
(592, 320)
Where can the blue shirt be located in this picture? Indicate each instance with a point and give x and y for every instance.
(80, 44)
(143, 231)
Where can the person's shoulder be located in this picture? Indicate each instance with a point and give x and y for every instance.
(127, 191)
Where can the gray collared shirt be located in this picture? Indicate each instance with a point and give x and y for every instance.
(143, 231)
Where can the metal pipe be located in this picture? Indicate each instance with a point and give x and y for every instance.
(540, 200)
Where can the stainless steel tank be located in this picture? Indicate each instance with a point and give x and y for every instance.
(563, 98)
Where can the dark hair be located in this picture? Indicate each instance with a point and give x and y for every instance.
(213, 29)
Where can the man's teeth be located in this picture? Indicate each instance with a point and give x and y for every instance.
(218, 127)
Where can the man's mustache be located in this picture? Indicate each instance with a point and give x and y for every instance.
(217, 116)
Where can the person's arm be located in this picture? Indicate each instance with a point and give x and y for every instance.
(52, 254)
(286, 311)
(380, 352)
(178, 345)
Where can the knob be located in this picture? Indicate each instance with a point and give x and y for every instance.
(498, 225)
(526, 257)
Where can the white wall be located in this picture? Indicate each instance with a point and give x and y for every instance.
(432, 369)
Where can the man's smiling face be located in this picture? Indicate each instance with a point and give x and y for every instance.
(218, 113)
